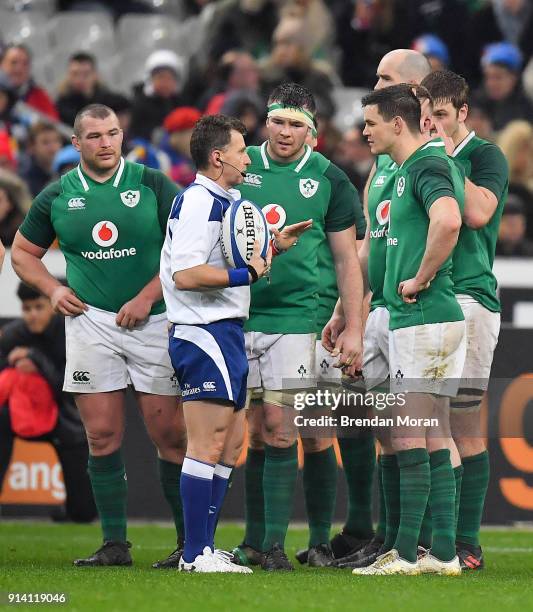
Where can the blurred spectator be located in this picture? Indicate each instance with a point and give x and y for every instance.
(32, 355)
(8, 160)
(502, 92)
(142, 151)
(512, 241)
(434, 49)
(243, 24)
(2, 255)
(179, 125)
(15, 201)
(237, 71)
(479, 120)
(82, 86)
(16, 64)
(508, 20)
(65, 159)
(158, 95)
(353, 156)
(516, 142)
(44, 141)
(8, 99)
(249, 108)
(317, 22)
(365, 32)
(290, 60)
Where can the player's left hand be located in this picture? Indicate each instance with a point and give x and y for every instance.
(448, 140)
(349, 349)
(410, 288)
(134, 312)
(26, 365)
(289, 235)
(19, 352)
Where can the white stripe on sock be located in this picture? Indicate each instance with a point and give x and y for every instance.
(223, 471)
(191, 467)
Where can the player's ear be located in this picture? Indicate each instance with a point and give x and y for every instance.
(463, 113)
(397, 124)
(75, 142)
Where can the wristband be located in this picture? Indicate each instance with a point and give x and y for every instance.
(253, 272)
(239, 277)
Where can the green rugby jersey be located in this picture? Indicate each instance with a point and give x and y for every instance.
(328, 291)
(485, 165)
(110, 233)
(308, 188)
(378, 203)
(427, 175)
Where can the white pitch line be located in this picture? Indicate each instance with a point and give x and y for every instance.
(506, 549)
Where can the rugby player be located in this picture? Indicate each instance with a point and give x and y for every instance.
(291, 182)
(426, 341)
(475, 286)
(109, 216)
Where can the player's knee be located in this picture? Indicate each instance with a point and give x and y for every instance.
(103, 440)
(469, 447)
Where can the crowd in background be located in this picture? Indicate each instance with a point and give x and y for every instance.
(252, 46)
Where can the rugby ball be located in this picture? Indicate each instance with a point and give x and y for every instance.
(242, 225)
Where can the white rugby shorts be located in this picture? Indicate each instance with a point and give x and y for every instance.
(101, 356)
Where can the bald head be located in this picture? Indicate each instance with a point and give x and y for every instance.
(402, 66)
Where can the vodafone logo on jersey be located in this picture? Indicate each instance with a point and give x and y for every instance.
(383, 212)
(105, 233)
(275, 215)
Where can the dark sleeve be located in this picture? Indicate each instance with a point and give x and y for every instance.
(432, 179)
(11, 336)
(490, 169)
(37, 226)
(46, 366)
(165, 191)
(344, 204)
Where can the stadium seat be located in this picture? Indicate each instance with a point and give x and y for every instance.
(82, 31)
(29, 28)
(148, 31)
(348, 103)
(46, 7)
(167, 7)
(128, 70)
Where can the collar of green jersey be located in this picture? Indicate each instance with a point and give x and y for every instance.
(296, 165)
(87, 180)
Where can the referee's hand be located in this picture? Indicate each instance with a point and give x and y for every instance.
(65, 301)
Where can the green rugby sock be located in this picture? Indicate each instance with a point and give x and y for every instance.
(473, 491)
(254, 502)
(391, 494)
(169, 476)
(381, 528)
(415, 480)
(458, 473)
(320, 490)
(442, 504)
(358, 460)
(424, 539)
(110, 489)
(279, 481)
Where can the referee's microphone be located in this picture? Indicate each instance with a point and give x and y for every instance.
(243, 174)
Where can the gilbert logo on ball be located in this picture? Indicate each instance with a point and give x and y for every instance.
(105, 233)
(243, 224)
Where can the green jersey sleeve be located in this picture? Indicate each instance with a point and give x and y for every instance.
(489, 169)
(344, 204)
(432, 180)
(165, 191)
(37, 226)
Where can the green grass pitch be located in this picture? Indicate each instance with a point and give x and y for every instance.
(37, 557)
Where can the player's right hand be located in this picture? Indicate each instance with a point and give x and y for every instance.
(260, 264)
(65, 301)
(334, 327)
